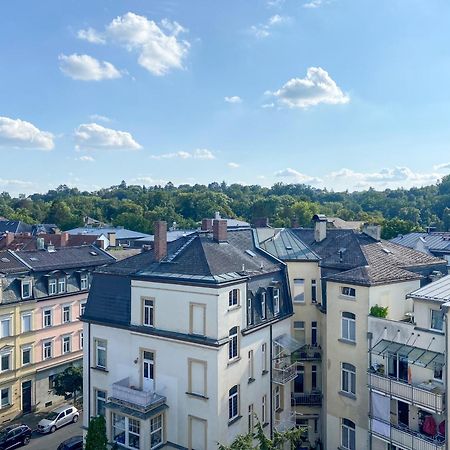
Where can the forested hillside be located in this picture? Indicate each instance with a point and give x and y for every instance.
(137, 207)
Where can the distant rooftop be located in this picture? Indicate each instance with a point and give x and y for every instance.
(434, 241)
(121, 233)
(438, 291)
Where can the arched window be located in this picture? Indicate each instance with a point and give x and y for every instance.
(348, 382)
(233, 402)
(348, 322)
(233, 343)
(348, 434)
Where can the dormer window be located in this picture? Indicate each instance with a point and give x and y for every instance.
(276, 301)
(84, 281)
(52, 286)
(61, 285)
(26, 289)
(263, 305)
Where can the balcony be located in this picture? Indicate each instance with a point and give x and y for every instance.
(405, 437)
(285, 422)
(283, 374)
(427, 396)
(125, 394)
(306, 398)
(307, 353)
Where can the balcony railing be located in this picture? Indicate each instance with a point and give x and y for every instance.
(306, 398)
(405, 437)
(284, 374)
(124, 393)
(307, 353)
(419, 395)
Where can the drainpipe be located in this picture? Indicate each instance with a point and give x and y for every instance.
(370, 336)
(271, 382)
(89, 373)
(445, 308)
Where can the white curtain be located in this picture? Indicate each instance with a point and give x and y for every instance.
(381, 409)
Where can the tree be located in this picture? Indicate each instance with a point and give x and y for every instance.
(245, 441)
(96, 435)
(70, 381)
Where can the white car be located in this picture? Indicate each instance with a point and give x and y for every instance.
(57, 418)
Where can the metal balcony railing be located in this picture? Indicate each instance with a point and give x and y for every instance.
(308, 353)
(423, 395)
(283, 374)
(306, 398)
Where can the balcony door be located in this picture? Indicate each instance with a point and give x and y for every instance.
(398, 367)
(299, 382)
(403, 413)
(148, 370)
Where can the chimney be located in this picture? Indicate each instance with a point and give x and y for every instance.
(374, 231)
(207, 224)
(261, 222)
(64, 239)
(160, 240)
(217, 215)
(112, 238)
(220, 230)
(294, 223)
(40, 243)
(9, 238)
(320, 227)
(100, 243)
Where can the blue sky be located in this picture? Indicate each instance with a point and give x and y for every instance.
(344, 94)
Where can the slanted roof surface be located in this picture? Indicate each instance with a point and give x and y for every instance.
(10, 264)
(438, 290)
(121, 233)
(434, 241)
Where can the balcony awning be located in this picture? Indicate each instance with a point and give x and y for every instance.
(288, 343)
(134, 413)
(414, 355)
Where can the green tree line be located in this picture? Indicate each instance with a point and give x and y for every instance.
(137, 207)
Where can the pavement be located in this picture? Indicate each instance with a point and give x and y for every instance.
(50, 441)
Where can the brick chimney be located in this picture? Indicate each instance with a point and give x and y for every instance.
(112, 238)
(160, 240)
(261, 222)
(9, 238)
(64, 239)
(207, 224)
(374, 231)
(220, 230)
(320, 227)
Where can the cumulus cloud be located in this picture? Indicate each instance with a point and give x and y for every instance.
(262, 30)
(87, 68)
(99, 118)
(233, 165)
(233, 99)
(159, 48)
(317, 87)
(91, 36)
(92, 136)
(17, 133)
(442, 166)
(199, 153)
(296, 177)
(86, 158)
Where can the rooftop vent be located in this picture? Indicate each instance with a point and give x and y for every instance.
(33, 258)
(386, 250)
(5, 260)
(93, 253)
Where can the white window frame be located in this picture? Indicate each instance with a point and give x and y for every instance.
(251, 371)
(84, 281)
(45, 348)
(233, 343)
(44, 317)
(64, 310)
(8, 390)
(234, 298)
(8, 354)
(264, 409)
(127, 420)
(313, 291)
(299, 298)
(30, 289)
(276, 301)
(66, 340)
(100, 399)
(438, 311)
(148, 312)
(348, 325)
(264, 357)
(81, 340)
(82, 308)
(233, 403)
(159, 430)
(22, 316)
(348, 378)
(348, 435)
(102, 345)
(10, 331)
(52, 286)
(26, 348)
(263, 305)
(348, 292)
(62, 285)
(277, 398)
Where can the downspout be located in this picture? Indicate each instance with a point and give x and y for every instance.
(270, 378)
(370, 336)
(445, 307)
(89, 373)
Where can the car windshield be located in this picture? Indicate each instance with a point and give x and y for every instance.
(52, 416)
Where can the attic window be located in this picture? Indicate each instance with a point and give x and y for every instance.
(249, 252)
(33, 258)
(386, 250)
(93, 253)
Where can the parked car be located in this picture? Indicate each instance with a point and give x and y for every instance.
(73, 443)
(14, 436)
(57, 418)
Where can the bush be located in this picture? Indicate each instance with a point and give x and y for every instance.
(379, 311)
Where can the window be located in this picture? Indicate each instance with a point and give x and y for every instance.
(82, 308)
(299, 331)
(48, 318)
(26, 356)
(51, 382)
(100, 402)
(26, 322)
(47, 349)
(264, 357)
(100, 353)
(277, 398)
(348, 382)
(233, 343)
(299, 290)
(264, 410)
(314, 333)
(348, 325)
(26, 289)
(5, 327)
(250, 366)
(348, 291)
(313, 291)
(299, 381)
(276, 301)
(52, 286)
(437, 320)
(250, 418)
(263, 305)
(233, 403)
(249, 311)
(149, 313)
(313, 377)
(233, 298)
(5, 361)
(66, 313)
(84, 281)
(126, 431)
(61, 285)
(81, 340)
(437, 372)
(156, 431)
(66, 344)
(4, 397)
(348, 438)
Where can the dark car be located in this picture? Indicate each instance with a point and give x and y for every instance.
(14, 436)
(73, 443)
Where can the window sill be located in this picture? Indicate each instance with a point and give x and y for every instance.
(299, 302)
(347, 297)
(100, 369)
(264, 372)
(232, 421)
(347, 394)
(251, 380)
(279, 410)
(234, 308)
(199, 396)
(347, 341)
(233, 361)
(265, 424)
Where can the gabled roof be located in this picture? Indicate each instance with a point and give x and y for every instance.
(438, 291)
(435, 241)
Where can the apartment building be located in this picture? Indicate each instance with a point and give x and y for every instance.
(189, 342)
(42, 295)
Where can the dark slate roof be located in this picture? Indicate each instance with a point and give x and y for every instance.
(438, 291)
(434, 241)
(285, 245)
(14, 226)
(66, 257)
(10, 264)
(121, 233)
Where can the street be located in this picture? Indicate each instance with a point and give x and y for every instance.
(51, 441)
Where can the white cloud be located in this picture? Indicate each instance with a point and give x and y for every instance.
(275, 3)
(158, 51)
(296, 176)
(18, 133)
(148, 181)
(86, 158)
(313, 4)
(268, 105)
(19, 184)
(233, 165)
(233, 99)
(92, 136)
(87, 68)
(199, 153)
(442, 166)
(317, 87)
(91, 36)
(262, 30)
(99, 118)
